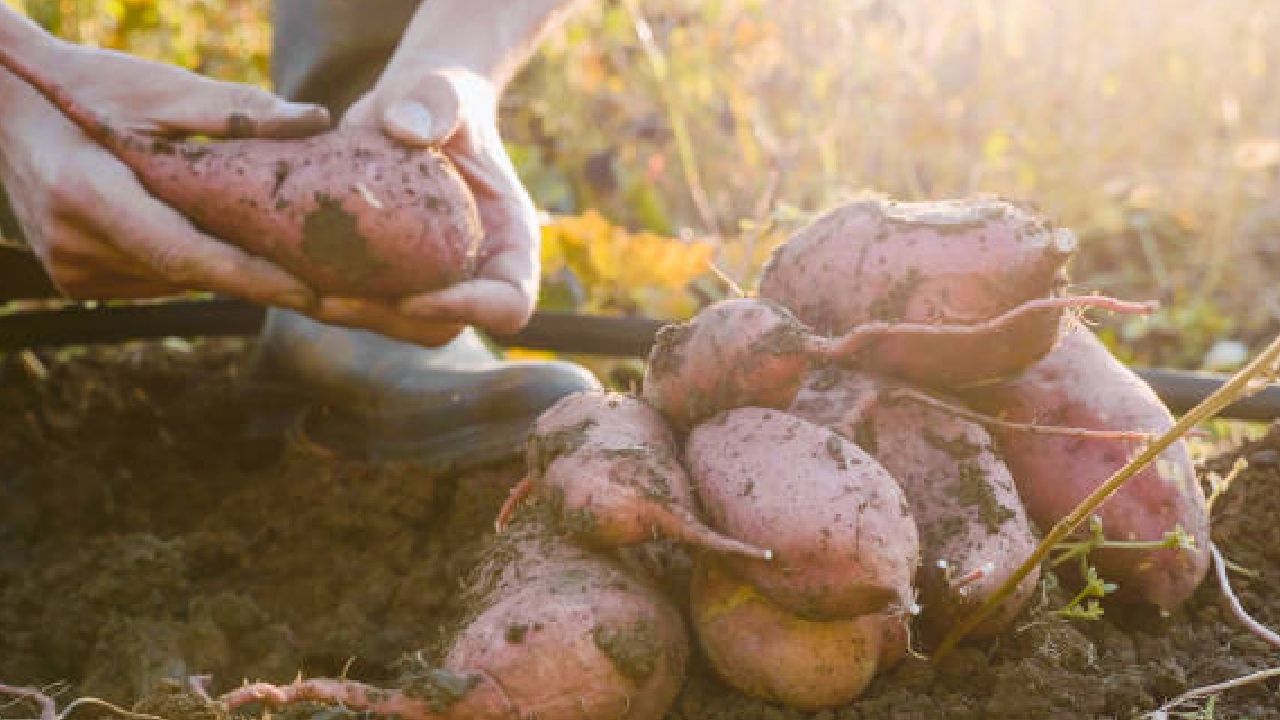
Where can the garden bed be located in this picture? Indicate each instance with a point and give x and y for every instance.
(142, 538)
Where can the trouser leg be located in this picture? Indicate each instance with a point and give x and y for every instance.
(331, 51)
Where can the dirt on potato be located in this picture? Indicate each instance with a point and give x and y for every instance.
(141, 539)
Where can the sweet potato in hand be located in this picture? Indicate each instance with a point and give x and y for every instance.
(351, 212)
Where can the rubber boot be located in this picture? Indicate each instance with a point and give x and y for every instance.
(360, 394)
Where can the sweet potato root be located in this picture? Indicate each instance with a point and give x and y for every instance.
(350, 212)
(766, 652)
(1081, 384)
(841, 530)
(561, 634)
(949, 262)
(974, 530)
(754, 352)
(606, 465)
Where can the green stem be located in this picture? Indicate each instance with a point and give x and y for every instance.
(679, 129)
(1232, 390)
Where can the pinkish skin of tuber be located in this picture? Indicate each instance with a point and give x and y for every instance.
(1080, 384)
(940, 262)
(768, 653)
(842, 533)
(974, 530)
(607, 465)
(735, 353)
(563, 635)
(348, 211)
(754, 352)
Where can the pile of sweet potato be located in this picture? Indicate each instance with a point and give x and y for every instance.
(854, 459)
(862, 454)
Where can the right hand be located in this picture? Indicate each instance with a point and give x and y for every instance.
(97, 231)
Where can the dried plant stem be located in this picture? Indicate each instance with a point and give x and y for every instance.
(679, 128)
(346, 693)
(1162, 712)
(990, 421)
(49, 709)
(1235, 388)
(1233, 602)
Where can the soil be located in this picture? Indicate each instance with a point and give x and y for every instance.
(142, 538)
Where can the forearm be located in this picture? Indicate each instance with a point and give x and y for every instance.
(491, 37)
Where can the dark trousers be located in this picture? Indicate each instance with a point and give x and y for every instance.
(326, 51)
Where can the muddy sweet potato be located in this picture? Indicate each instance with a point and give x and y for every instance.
(558, 633)
(607, 467)
(350, 212)
(735, 353)
(766, 652)
(1080, 384)
(944, 262)
(842, 534)
(974, 531)
(754, 352)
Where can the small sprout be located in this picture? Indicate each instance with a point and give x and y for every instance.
(963, 582)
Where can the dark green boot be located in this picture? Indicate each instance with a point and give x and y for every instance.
(365, 396)
(361, 394)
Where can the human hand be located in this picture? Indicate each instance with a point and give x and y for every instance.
(97, 231)
(456, 110)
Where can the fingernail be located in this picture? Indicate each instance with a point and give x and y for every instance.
(297, 300)
(306, 112)
(413, 118)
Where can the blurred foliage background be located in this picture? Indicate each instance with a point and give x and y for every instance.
(665, 135)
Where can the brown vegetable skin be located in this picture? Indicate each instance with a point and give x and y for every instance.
(606, 463)
(348, 211)
(842, 534)
(1080, 384)
(766, 652)
(735, 353)
(953, 261)
(560, 634)
(570, 635)
(962, 495)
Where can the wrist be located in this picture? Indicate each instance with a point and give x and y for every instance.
(490, 38)
(29, 41)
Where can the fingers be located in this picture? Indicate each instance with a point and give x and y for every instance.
(164, 243)
(385, 319)
(221, 109)
(496, 306)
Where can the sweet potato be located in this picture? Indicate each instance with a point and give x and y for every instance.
(946, 262)
(754, 352)
(606, 464)
(974, 530)
(1081, 384)
(348, 211)
(842, 534)
(734, 353)
(560, 633)
(766, 652)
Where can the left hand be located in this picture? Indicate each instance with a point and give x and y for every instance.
(456, 110)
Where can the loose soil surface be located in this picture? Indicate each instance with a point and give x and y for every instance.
(141, 538)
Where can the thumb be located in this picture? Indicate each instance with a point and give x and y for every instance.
(429, 115)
